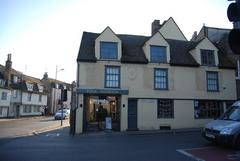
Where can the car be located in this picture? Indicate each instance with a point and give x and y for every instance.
(62, 114)
(225, 129)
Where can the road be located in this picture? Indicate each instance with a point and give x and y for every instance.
(11, 128)
(55, 144)
(59, 146)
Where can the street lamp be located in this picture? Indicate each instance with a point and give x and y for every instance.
(54, 94)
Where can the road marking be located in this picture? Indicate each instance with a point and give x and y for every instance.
(182, 151)
(53, 135)
(187, 152)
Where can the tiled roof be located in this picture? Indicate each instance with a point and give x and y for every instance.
(132, 51)
(179, 53)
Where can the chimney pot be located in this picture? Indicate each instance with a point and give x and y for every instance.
(9, 57)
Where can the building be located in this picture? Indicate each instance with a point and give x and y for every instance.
(5, 95)
(27, 96)
(54, 89)
(219, 37)
(162, 81)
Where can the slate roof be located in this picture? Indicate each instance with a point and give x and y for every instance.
(179, 53)
(132, 51)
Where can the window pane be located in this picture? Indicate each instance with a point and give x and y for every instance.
(207, 57)
(108, 50)
(112, 77)
(165, 108)
(207, 109)
(158, 54)
(212, 81)
(160, 80)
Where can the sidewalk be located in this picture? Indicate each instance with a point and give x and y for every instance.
(22, 118)
(28, 126)
(141, 132)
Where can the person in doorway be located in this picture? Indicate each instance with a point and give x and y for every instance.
(100, 115)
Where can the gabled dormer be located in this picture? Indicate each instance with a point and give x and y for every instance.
(157, 49)
(29, 86)
(205, 53)
(108, 46)
(170, 30)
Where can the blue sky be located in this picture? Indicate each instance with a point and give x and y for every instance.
(43, 34)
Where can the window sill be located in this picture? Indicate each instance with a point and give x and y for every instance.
(112, 87)
(213, 91)
(109, 60)
(159, 62)
(160, 89)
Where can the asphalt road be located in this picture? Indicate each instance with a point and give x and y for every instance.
(55, 144)
(59, 146)
(11, 128)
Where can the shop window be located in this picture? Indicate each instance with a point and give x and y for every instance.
(207, 109)
(229, 104)
(165, 108)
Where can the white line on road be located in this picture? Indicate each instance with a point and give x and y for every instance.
(182, 151)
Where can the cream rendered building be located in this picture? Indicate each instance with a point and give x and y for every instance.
(153, 82)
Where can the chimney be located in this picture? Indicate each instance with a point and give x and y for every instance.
(45, 76)
(7, 71)
(8, 64)
(155, 26)
(194, 36)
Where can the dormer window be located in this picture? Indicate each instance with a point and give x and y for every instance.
(207, 57)
(158, 54)
(14, 78)
(29, 86)
(108, 50)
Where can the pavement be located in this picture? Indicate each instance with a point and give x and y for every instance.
(27, 126)
(53, 142)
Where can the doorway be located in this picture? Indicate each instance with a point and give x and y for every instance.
(132, 114)
(97, 108)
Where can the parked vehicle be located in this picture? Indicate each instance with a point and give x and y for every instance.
(64, 115)
(226, 129)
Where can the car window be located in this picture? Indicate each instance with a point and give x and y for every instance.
(233, 113)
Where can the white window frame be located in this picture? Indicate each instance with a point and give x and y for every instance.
(15, 93)
(4, 95)
(29, 97)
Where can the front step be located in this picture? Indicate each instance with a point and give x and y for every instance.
(92, 127)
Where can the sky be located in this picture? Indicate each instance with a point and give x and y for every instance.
(44, 34)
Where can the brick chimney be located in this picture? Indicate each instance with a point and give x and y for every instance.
(194, 36)
(8, 67)
(155, 26)
(8, 64)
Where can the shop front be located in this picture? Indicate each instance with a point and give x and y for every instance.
(100, 109)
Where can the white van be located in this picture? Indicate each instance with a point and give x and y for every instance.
(225, 129)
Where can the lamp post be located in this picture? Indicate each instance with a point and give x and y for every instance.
(54, 93)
